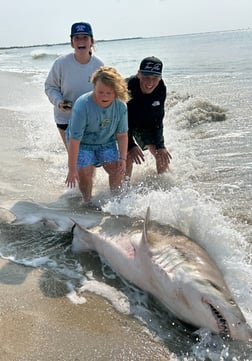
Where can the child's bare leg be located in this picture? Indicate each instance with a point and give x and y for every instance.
(115, 176)
(86, 175)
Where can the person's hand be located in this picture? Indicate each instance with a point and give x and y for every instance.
(163, 156)
(72, 178)
(65, 106)
(136, 155)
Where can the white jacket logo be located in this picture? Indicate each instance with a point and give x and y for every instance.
(156, 103)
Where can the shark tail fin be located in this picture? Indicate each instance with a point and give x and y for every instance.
(82, 238)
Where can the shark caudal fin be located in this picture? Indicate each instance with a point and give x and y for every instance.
(82, 239)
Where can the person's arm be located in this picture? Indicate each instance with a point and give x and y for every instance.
(131, 141)
(131, 86)
(158, 131)
(73, 175)
(122, 140)
(161, 151)
(52, 85)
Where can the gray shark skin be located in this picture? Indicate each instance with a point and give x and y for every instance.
(174, 269)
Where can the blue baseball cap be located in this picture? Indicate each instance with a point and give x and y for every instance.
(81, 29)
(151, 66)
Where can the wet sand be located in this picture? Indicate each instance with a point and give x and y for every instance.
(39, 323)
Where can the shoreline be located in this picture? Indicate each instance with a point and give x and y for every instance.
(38, 322)
(37, 319)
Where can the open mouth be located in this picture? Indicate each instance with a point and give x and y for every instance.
(221, 322)
(149, 87)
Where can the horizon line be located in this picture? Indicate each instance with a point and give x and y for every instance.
(121, 39)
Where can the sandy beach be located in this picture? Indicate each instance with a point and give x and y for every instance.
(206, 195)
(37, 320)
(39, 323)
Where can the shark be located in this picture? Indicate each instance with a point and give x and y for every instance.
(173, 268)
(159, 259)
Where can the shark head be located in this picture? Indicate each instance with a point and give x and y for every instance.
(209, 304)
(225, 315)
(190, 284)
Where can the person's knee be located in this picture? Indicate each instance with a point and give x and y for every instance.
(86, 174)
(110, 168)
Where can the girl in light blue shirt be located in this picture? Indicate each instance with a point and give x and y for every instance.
(98, 132)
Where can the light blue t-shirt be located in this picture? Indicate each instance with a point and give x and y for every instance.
(94, 126)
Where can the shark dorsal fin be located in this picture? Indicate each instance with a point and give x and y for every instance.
(144, 240)
(140, 243)
(146, 222)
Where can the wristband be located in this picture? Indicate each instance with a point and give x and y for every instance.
(123, 158)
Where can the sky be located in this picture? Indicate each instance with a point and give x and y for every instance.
(32, 22)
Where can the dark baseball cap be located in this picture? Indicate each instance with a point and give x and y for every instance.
(151, 66)
(81, 29)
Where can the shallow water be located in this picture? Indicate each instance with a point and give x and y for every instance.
(206, 195)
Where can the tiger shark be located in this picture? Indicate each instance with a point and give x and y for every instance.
(174, 269)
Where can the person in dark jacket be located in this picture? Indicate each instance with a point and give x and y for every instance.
(146, 110)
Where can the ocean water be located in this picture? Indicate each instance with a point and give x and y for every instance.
(207, 194)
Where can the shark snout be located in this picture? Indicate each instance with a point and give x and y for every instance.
(229, 320)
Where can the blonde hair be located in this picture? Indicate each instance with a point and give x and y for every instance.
(110, 77)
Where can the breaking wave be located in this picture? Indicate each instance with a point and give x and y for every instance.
(41, 54)
(190, 111)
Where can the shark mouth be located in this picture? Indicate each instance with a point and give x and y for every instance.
(220, 320)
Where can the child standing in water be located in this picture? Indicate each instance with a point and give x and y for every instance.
(97, 132)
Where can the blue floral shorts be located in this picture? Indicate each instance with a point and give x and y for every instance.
(97, 157)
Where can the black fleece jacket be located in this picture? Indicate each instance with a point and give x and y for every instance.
(146, 111)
